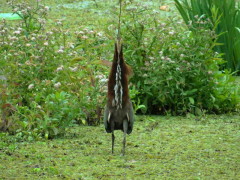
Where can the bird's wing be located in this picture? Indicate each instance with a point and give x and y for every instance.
(107, 117)
(130, 116)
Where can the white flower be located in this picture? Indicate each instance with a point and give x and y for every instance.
(16, 32)
(28, 44)
(13, 38)
(163, 24)
(33, 38)
(103, 80)
(45, 44)
(196, 16)
(74, 69)
(100, 76)
(84, 37)
(71, 45)
(15, 9)
(46, 8)
(80, 32)
(147, 63)
(171, 32)
(60, 51)
(31, 86)
(59, 23)
(60, 68)
(99, 34)
(57, 85)
(91, 32)
(182, 55)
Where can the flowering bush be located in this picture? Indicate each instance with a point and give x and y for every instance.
(175, 71)
(39, 66)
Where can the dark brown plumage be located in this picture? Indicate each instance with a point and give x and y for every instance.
(118, 113)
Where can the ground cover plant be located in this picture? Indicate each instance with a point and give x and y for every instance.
(158, 148)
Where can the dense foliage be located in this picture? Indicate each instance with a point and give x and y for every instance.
(176, 70)
(225, 18)
(52, 78)
(48, 81)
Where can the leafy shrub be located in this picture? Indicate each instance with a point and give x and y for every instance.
(225, 18)
(51, 119)
(39, 65)
(176, 71)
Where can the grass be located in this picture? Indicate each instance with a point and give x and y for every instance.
(158, 148)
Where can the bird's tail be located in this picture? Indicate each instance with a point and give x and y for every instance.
(118, 79)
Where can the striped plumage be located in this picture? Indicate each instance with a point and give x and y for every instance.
(118, 113)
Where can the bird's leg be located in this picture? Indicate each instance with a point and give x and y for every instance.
(124, 143)
(125, 127)
(113, 138)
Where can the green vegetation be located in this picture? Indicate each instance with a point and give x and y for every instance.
(176, 70)
(225, 20)
(53, 76)
(158, 148)
(52, 72)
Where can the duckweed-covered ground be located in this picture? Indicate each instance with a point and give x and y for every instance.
(158, 148)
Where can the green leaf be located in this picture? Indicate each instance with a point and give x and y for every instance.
(238, 29)
(191, 100)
